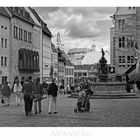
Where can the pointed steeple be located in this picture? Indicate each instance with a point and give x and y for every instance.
(58, 37)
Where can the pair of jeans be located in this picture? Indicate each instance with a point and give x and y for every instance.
(52, 101)
(27, 101)
(37, 97)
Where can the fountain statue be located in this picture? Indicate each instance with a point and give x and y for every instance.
(103, 68)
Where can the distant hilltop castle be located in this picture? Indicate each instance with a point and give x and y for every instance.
(76, 55)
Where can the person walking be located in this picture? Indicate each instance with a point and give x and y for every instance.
(37, 93)
(52, 92)
(18, 91)
(31, 101)
(27, 91)
(6, 92)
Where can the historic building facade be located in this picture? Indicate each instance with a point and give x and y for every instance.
(124, 36)
(83, 72)
(45, 49)
(69, 71)
(24, 57)
(54, 62)
(4, 45)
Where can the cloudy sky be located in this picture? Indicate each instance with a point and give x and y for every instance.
(79, 26)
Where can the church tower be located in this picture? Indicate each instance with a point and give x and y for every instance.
(59, 42)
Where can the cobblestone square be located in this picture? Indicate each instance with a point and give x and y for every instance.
(103, 113)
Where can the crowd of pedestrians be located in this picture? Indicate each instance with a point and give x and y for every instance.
(31, 91)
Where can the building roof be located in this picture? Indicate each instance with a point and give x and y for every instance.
(53, 48)
(78, 50)
(4, 12)
(125, 11)
(68, 62)
(84, 67)
(60, 55)
(44, 25)
(21, 13)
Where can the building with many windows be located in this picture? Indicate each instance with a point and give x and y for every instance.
(4, 45)
(24, 57)
(83, 72)
(124, 36)
(54, 62)
(69, 71)
(45, 49)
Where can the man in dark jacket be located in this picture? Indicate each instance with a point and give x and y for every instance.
(52, 92)
(27, 91)
(37, 93)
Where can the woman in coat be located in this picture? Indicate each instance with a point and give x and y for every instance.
(18, 91)
(6, 92)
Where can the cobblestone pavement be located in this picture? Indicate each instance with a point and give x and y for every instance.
(104, 112)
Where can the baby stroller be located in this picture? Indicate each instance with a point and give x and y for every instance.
(83, 103)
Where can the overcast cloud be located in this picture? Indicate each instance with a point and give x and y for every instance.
(79, 26)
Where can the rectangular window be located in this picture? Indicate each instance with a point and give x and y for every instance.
(120, 42)
(29, 37)
(123, 25)
(15, 32)
(119, 23)
(1, 60)
(123, 59)
(5, 61)
(20, 34)
(5, 43)
(113, 41)
(2, 42)
(128, 59)
(123, 42)
(75, 74)
(25, 35)
(120, 59)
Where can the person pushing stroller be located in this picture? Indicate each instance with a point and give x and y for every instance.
(83, 103)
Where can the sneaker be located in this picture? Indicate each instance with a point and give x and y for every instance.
(36, 113)
(49, 112)
(40, 111)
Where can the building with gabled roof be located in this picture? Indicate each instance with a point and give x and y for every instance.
(46, 48)
(123, 36)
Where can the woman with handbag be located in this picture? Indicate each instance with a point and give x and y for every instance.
(18, 91)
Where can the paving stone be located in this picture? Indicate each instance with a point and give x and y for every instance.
(104, 112)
